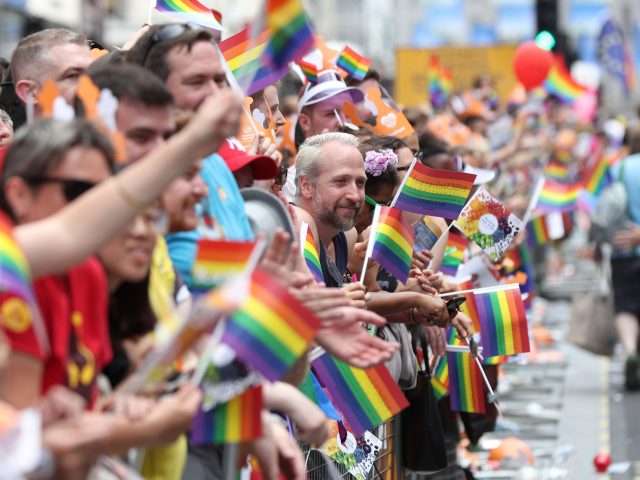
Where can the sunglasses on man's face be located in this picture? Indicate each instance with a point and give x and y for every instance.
(71, 188)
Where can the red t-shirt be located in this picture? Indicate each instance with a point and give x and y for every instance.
(74, 309)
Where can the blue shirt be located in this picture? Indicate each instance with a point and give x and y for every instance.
(631, 180)
(226, 208)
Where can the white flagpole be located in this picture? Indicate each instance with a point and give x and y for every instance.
(372, 240)
(404, 181)
(477, 291)
(152, 4)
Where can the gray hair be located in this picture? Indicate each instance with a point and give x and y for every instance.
(310, 154)
(6, 119)
(31, 57)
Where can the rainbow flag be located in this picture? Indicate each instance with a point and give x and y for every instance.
(366, 397)
(245, 57)
(314, 392)
(310, 253)
(466, 389)
(559, 82)
(393, 244)
(238, 420)
(497, 360)
(291, 35)
(353, 63)
(440, 83)
(440, 193)
(454, 253)
(309, 70)
(558, 197)
(190, 11)
(271, 329)
(538, 232)
(556, 170)
(597, 177)
(16, 282)
(503, 321)
(440, 378)
(217, 260)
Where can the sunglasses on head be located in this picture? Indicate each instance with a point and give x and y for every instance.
(71, 188)
(172, 30)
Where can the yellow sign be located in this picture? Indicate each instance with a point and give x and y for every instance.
(466, 64)
(15, 315)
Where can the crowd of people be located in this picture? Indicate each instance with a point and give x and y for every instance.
(108, 225)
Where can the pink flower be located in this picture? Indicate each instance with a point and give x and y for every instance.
(376, 161)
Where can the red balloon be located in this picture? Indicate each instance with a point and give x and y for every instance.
(602, 462)
(531, 64)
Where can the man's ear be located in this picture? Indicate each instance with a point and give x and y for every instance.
(306, 187)
(305, 124)
(26, 89)
(19, 196)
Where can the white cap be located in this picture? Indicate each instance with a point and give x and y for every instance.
(329, 85)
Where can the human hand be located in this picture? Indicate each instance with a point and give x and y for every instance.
(431, 280)
(463, 325)
(322, 301)
(356, 293)
(173, 415)
(347, 340)
(627, 239)
(134, 407)
(421, 259)
(280, 257)
(217, 118)
(437, 339)
(432, 310)
(59, 403)
(356, 260)
(137, 349)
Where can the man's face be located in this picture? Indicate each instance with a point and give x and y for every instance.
(326, 116)
(338, 194)
(145, 128)
(272, 104)
(196, 74)
(6, 133)
(67, 63)
(79, 163)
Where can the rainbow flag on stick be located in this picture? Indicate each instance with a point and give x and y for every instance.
(366, 397)
(454, 253)
(217, 260)
(245, 57)
(310, 252)
(597, 177)
(238, 420)
(558, 197)
(190, 11)
(538, 232)
(440, 378)
(353, 63)
(16, 286)
(291, 34)
(503, 321)
(559, 82)
(440, 83)
(271, 329)
(309, 70)
(429, 191)
(466, 389)
(393, 247)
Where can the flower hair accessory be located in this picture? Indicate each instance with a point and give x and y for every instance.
(376, 161)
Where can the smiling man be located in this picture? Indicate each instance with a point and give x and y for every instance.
(53, 54)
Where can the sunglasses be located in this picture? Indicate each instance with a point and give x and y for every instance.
(373, 203)
(71, 188)
(171, 31)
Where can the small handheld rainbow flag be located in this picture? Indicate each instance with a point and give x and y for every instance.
(366, 397)
(309, 70)
(271, 329)
(310, 252)
(244, 55)
(190, 11)
(217, 260)
(314, 392)
(454, 253)
(466, 389)
(238, 420)
(556, 170)
(538, 232)
(393, 247)
(291, 34)
(503, 321)
(440, 193)
(597, 177)
(558, 197)
(353, 63)
(560, 82)
(440, 378)
(15, 282)
(440, 83)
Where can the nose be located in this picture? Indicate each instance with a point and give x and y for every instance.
(5, 133)
(280, 120)
(354, 194)
(199, 188)
(140, 227)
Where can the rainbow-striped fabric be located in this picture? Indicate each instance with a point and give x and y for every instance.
(190, 11)
(466, 389)
(393, 243)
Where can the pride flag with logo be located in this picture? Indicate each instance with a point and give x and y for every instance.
(441, 193)
(366, 397)
(271, 329)
(393, 244)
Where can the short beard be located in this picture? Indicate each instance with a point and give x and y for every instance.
(328, 215)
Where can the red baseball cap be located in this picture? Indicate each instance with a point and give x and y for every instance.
(236, 157)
